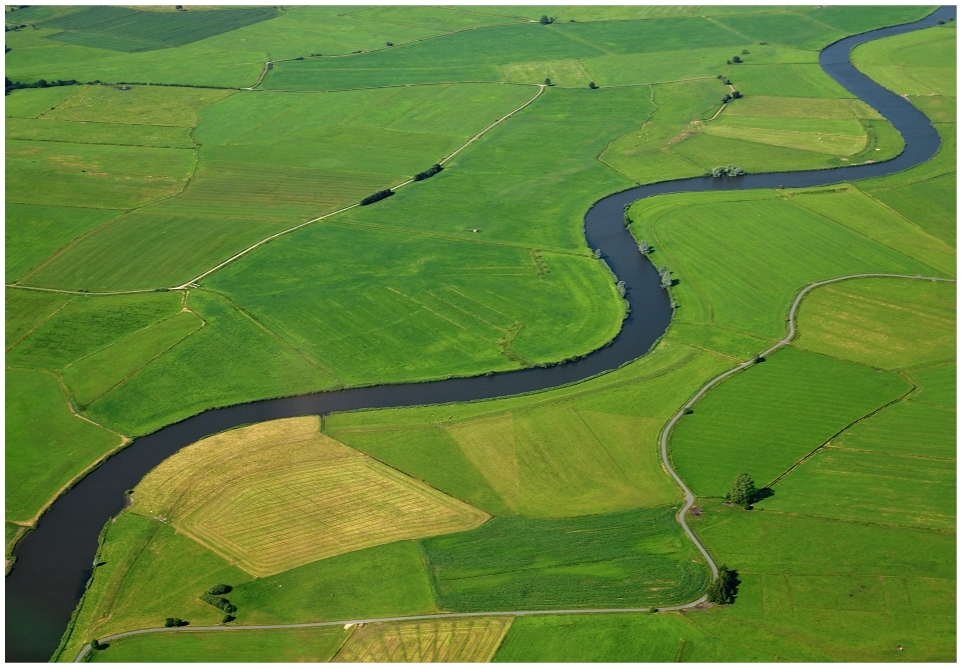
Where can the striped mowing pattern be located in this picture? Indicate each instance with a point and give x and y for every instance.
(428, 640)
(279, 495)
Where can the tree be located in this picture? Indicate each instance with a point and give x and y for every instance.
(743, 490)
(174, 621)
(218, 589)
(97, 645)
(596, 254)
(736, 59)
(389, 43)
(665, 276)
(644, 248)
(620, 286)
(725, 587)
(592, 85)
(544, 20)
(547, 82)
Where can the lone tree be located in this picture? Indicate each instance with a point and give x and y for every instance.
(725, 588)
(592, 85)
(743, 490)
(544, 20)
(547, 82)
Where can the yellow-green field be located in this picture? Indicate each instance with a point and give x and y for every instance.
(430, 640)
(887, 323)
(279, 494)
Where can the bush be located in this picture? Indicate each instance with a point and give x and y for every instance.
(219, 589)
(428, 173)
(376, 197)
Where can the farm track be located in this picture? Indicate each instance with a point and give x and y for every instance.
(913, 126)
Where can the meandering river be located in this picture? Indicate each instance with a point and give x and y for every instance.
(55, 560)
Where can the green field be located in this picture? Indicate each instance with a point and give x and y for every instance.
(47, 445)
(765, 419)
(633, 558)
(282, 645)
(810, 587)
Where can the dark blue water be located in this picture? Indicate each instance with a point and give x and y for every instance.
(54, 561)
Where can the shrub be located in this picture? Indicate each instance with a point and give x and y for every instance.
(376, 197)
(428, 173)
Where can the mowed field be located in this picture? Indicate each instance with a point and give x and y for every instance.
(326, 500)
(472, 640)
(632, 558)
(896, 467)
(281, 645)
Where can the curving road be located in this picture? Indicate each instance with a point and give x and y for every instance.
(54, 560)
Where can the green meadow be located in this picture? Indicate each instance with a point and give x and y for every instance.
(284, 645)
(632, 558)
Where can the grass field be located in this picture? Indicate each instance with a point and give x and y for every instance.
(281, 645)
(461, 640)
(660, 638)
(589, 448)
(765, 419)
(906, 452)
(46, 446)
(380, 581)
(778, 244)
(231, 360)
(123, 29)
(811, 587)
(887, 323)
(632, 558)
(325, 499)
(148, 572)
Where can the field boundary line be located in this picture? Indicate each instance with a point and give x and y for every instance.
(792, 331)
(247, 250)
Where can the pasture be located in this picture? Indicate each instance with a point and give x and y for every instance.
(231, 359)
(472, 640)
(811, 587)
(147, 572)
(283, 645)
(889, 323)
(589, 448)
(47, 446)
(633, 558)
(378, 581)
(123, 29)
(766, 418)
(739, 257)
(906, 452)
(284, 495)
(660, 638)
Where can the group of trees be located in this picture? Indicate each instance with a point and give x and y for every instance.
(171, 622)
(734, 95)
(41, 83)
(377, 197)
(212, 597)
(545, 20)
(428, 173)
(730, 170)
